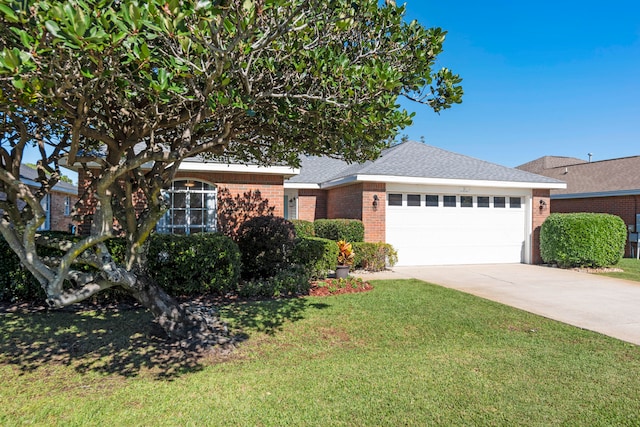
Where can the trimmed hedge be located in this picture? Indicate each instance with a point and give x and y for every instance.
(583, 239)
(194, 264)
(374, 256)
(16, 283)
(182, 265)
(351, 230)
(317, 255)
(303, 228)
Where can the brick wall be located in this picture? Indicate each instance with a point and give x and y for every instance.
(345, 202)
(356, 202)
(374, 217)
(312, 204)
(626, 207)
(539, 214)
(60, 221)
(270, 187)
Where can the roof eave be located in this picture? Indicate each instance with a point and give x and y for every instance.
(613, 193)
(443, 181)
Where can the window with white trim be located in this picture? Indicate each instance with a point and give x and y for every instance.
(67, 206)
(432, 200)
(193, 208)
(413, 200)
(515, 202)
(395, 199)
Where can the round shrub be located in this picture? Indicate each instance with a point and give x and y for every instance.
(316, 254)
(350, 230)
(374, 256)
(582, 239)
(266, 244)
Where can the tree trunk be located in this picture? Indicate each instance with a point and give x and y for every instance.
(195, 327)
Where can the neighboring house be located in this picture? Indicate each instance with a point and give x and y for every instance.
(606, 186)
(58, 204)
(433, 206)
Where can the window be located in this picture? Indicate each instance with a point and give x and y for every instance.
(449, 201)
(499, 202)
(395, 199)
(67, 206)
(515, 202)
(466, 201)
(432, 200)
(483, 202)
(192, 208)
(413, 200)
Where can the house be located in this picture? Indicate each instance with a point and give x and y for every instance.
(606, 186)
(58, 204)
(432, 205)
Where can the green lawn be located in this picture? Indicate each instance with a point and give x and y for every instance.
(406, 353)
(631, 267)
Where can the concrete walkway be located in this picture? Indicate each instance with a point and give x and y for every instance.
(602, 304)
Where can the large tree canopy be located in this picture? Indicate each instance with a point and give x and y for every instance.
(127, 89)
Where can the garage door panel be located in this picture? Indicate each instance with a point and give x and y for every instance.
(455, 235)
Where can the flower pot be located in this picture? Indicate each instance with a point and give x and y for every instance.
(342, 271)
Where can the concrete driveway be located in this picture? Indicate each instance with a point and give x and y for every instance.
(602, 304)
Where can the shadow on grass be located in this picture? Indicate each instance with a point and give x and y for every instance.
(265, 316)
(124, 340)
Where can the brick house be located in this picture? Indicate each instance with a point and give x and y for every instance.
(58, 204)
(432, 205)
(605, 186)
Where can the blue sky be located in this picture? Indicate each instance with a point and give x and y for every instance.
(540, 78)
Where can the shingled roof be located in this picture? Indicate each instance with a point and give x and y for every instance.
(414, 160)
(599, 178)
(30, 175)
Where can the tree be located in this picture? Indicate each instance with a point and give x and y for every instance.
(124, 90)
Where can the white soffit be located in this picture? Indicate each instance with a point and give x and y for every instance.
(442, 181)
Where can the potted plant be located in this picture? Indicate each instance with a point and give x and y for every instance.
(345, 259)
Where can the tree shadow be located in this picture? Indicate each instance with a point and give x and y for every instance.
(267, 316)
(124, 340)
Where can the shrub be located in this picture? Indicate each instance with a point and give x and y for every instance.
(266, 244)
(351, 230)
(194, 264)
(288, 282)
(374, 256)
(316, 254)
(16, 283)
(303, 228)
(583, 239)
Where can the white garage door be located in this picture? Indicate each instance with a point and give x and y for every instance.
(439, 228)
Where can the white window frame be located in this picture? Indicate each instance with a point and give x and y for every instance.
(208, 194)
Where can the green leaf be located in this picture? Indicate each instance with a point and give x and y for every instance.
(18, 83)
(53, 28)
(9, 13)
(228, 25)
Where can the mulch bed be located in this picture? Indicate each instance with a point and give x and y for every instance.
(324, 288)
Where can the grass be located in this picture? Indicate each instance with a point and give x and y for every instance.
(631, 267)
(406, 353)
